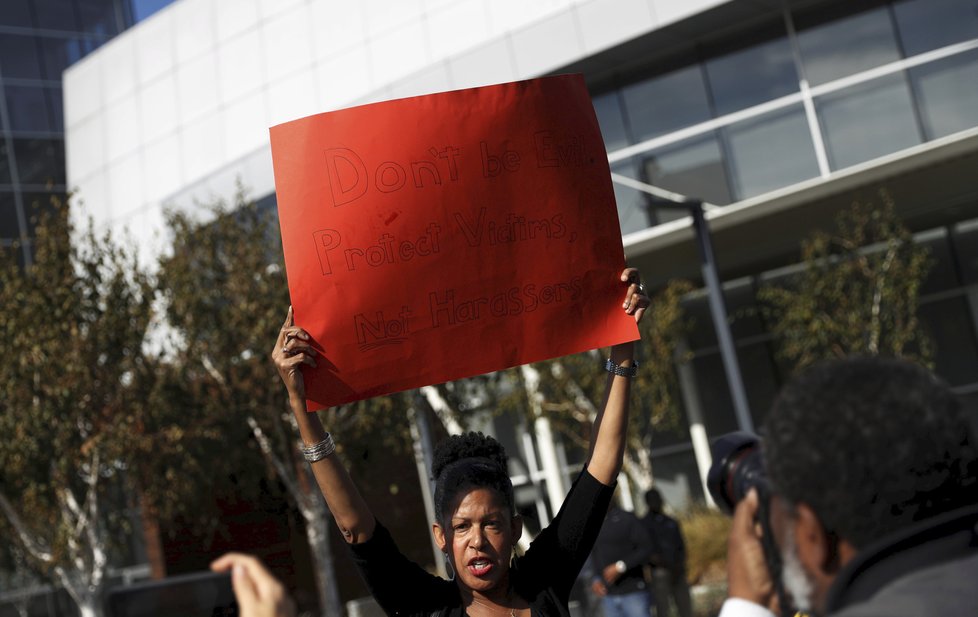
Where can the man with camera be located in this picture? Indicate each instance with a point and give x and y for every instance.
(869, 491)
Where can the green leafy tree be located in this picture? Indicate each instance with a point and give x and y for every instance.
(73, 379)
(224, 297)
(858, 293)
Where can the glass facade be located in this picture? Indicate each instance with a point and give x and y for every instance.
(764, 152)
(946, 92)
(751, 76)
(842, 85)
(948, 313)
(868, 120)
(802, 97)
(39, 39)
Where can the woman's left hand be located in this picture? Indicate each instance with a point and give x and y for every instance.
(635, 299)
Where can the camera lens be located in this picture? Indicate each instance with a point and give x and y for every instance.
(737, 467)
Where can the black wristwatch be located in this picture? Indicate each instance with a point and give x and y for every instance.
(622, 371)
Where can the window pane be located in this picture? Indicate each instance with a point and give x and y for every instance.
(760, 377)
(55, 15)
(752, 76)
(9, 227)
(141, 9)
(98, 16)
(677, 478)
(693, 167)
(40, 161)
(703, 332)
(56, 105)
(59, 53)
(663, 104)
(849, 45)
(28, 108)
(947, 93)
(742, 314)
(18, 57)
(770, 151)
(965, 238)
(761, 384)
(930, 24)
(4, 163)
(867, 121)
(632, 214)
(942, 275)
(714, 395)
(608, 110)
(949, 323)
(15, 13)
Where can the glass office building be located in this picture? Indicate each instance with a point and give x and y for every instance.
(779, 112)
(801, 98)
(39, 39)
(810, 93)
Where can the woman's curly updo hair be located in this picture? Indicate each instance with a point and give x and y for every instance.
(463, 463)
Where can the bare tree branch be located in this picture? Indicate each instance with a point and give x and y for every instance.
(442, 409)
(33, 547)
(271, 457)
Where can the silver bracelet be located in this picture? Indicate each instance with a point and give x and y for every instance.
(622, 371)
(319, 451)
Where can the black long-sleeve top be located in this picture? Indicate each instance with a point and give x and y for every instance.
(543, 576)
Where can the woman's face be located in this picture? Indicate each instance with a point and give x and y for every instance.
(479, 539)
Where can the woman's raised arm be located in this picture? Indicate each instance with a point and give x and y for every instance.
(608, 432)
(353, 516)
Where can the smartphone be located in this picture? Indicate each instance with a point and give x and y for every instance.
(201, 594)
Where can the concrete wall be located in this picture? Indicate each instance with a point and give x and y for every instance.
(178, 107)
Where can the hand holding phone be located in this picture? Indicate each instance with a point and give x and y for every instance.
(198, 594)
(258, 592)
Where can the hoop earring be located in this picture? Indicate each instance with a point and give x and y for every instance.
(449, 569)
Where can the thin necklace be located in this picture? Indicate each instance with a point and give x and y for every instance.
(512, 611)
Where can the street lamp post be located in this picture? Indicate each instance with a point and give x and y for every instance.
(662, 198)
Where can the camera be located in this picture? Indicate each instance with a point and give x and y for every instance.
(738, 466)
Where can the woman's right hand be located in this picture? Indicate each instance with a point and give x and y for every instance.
(292, 349)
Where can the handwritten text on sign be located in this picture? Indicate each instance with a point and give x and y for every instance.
(443, 236)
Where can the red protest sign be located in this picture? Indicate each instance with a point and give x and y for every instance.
(444, 236)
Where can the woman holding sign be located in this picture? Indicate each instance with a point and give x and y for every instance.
(477, 526)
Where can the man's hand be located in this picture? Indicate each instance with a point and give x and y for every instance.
(610, 573)
(259, 594)
(599, 588)
(748, 577)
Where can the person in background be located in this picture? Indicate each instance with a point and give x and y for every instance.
(621, 551)
(668, 562)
